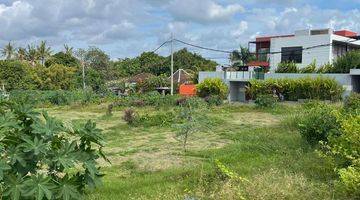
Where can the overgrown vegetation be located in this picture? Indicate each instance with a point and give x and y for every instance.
(44, 158)
(266, 101)
(350, 60)
(321, 88)
(212, 87)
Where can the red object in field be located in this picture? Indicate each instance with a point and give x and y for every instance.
(187, 90)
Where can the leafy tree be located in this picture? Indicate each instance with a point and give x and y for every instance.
(42, 158)
(15, 75)
(153, 63)
(43, 52)
(62, 58)
(8, 51)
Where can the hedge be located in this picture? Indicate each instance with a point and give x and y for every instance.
(321, 88)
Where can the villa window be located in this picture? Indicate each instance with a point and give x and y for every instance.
(291, 54)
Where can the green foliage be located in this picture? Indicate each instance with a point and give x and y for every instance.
(287, 67)
(352, 103)
(151, 83)
(311, 68)
(42, 158)
(350, 60)
(326, 68)
(15, 75)
(55, 77)
(64, 59)
(214, 100)
(93, 79)
(321, 88)
(345, 148)
(56, 97)
(241, 57)
(212, 87)
(318, 122)
(266, 101)
(161, 119)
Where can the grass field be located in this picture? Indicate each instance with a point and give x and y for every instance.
(258, 145)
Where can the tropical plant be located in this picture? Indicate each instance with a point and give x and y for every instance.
(241, 57)
(31, 54)
(287, 67)
(68, 50)
(212, 87)
(8, 51)
(311, 68)
(321, 88)
(21, 54)
(43, 158)
(43, 52)
(350, 60)
(326, 68)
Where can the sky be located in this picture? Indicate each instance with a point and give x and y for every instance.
(126, 28)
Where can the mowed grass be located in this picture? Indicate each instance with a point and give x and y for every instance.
(149, 162)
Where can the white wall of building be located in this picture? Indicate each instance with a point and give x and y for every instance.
(322, 55)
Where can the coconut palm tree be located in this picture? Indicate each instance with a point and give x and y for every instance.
(242, 56)
(21, 53)
(31, 54)
(68, 49)
(43, 52)
(8, 51)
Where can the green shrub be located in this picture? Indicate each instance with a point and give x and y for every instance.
(346, 149)
(352, 103)
(214, 100)
(326, 68)
(311, 68)
(15, 75)
(287, 67)
(318, 122)
(42, 158)
(266, 101)
(350, 60)
(321, 88)
(212, 87)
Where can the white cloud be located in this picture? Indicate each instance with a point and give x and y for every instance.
(241, 28)
(203, 11)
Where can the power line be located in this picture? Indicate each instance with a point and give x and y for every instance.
(161, 46)
(201, 47)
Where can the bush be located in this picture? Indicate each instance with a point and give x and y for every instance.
(346, 148)
(266, 101)
(287, 67)
(326, 68)
(42, 158)
(350, 60)
(214, 100)
(352, 103)
(212, 87)
(321, 88)
(318, 123)
(311, 68)
(15, 75)
(151, 83)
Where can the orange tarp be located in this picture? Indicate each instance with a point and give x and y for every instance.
(187, 90)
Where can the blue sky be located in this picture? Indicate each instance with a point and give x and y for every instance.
(125, 28)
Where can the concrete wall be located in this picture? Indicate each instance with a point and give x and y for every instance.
(321, 54)
(204, 75)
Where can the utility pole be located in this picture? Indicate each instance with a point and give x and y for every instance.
(83, 74)
(172, 64)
